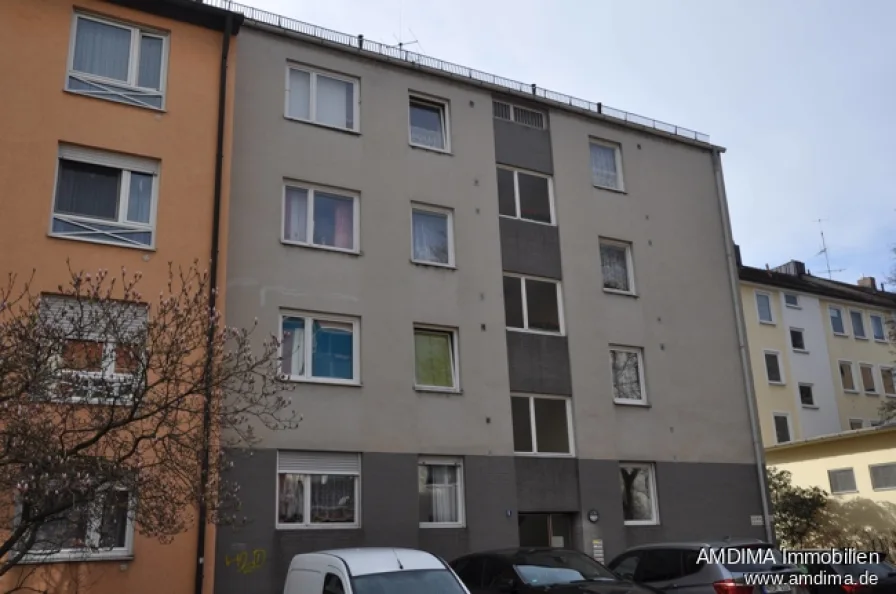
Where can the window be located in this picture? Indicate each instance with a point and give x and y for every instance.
(842, 480)
(319, 348)
(837, 325)
(333, 584)
(782, 427)
(867, 372)
(322, 98)
(526, 196)
(606, 165)
(639, 501)
(429, 124)
(659, 565)
(807, 398)
(797, 340)
(321, 218)
(764, 306)
(858, 323)
(541, 425)
(846, 376)
(105, 197)
(791, 300)
(856, 424)
(117, 62)
(626, 565)
(435, 358)
(520, 115)
(875, 423)
(318, 489)
(102, 528)
(883, 476)
(440, 486)
(877, 327)
(773, 367)
(533, 304)
(616, 266)
(432, 240)
(627, 368)
(889, 380)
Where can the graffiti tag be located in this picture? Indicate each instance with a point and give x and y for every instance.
(247, 562)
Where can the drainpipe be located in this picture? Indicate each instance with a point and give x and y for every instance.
(212, 303)
(742, 344)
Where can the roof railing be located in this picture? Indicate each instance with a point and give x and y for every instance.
(359, 42)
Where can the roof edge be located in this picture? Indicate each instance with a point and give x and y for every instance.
(194, 12)
(833, 437)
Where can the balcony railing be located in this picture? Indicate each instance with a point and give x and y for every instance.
(359, 42)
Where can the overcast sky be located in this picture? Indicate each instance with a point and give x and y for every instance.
(801, 93)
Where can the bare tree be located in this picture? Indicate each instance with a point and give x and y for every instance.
(106, 400)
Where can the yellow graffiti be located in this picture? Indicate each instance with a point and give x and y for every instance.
(245, 562)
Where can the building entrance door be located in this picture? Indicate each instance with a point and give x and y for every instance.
(545, 530)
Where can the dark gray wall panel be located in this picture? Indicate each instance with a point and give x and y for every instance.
(523, 147)
(491, 494)
(600, 490)
(538, 363)
(547, 484)
(530, 248)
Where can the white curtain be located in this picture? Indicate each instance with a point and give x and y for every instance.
(295, 219)
(102, 49)
(150, 73)
(430, 237)
(140, 198)
(603, 166)
(335, 102)
(299, 94)
(291, 499)
(441, 489)
(293, 347)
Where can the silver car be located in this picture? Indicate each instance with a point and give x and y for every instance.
(706, 567)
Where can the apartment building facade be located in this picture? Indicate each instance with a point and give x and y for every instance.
(822, 351)
(115, 144)
(487, 305)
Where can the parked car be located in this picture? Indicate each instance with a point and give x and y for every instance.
(884, 571)
(678, 567)
(529, 570)
(371, 571)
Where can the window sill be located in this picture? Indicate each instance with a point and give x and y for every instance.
(810, 406)
(142, 248)
(631, 403)
(777, 383)
(622, 293)
(435, 526)
(793, 306)
(429, 149)
(542, 332)
(844, 492)
(801, 351)
(543, 455)
(767, 323)
(890, 395)
(323, 248)
(883, 489)
(840, 334)
(861, 338)
(641, 523)
(525, 220)
(320, 381)
(609, 189)
(150, 108)
(425, 264)
(324, 126)
(881, 340)
(874, 394)
(333, 526)
(77, 557)
(437, 390)
(845, 391)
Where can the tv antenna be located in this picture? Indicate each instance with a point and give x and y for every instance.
(400, 42)
(824, 250)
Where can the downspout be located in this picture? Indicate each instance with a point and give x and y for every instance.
(733, 279)
(212, 304)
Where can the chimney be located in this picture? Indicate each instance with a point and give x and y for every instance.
(793, 268)
(737, 256)
(868, 282)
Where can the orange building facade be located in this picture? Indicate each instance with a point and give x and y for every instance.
(115, 152)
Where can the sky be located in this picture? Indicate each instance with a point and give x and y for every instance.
(801, 93)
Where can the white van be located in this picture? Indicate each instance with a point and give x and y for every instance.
(371, 571)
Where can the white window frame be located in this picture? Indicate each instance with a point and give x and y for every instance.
(795, 305)
(852, 373)
(306, 500)
(439, 210)
(783, 380)
(884, 369)
(640, 353)
(461, 490)
(799, 394)
(619, 173)
(312, 190)
(883, 326)
(312, 100)
(444, 106)
(107, 374)
(855, 482)
(91, 552)
(874, 391)
(852, 324)
(455, 359)
(802, 332)
(126, 165)
(786, 415)
(512, 113)
(831, 309)
(130, 86)
(532, 426)
(654, 488)
(849, 423)
(560, 315)
(516, 195)
(771, 308)
(629, 265)
(310, 318)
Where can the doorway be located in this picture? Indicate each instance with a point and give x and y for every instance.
(545, 530)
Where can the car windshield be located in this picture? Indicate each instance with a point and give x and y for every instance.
(752, 558)
(429, 581)
(544, 568)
